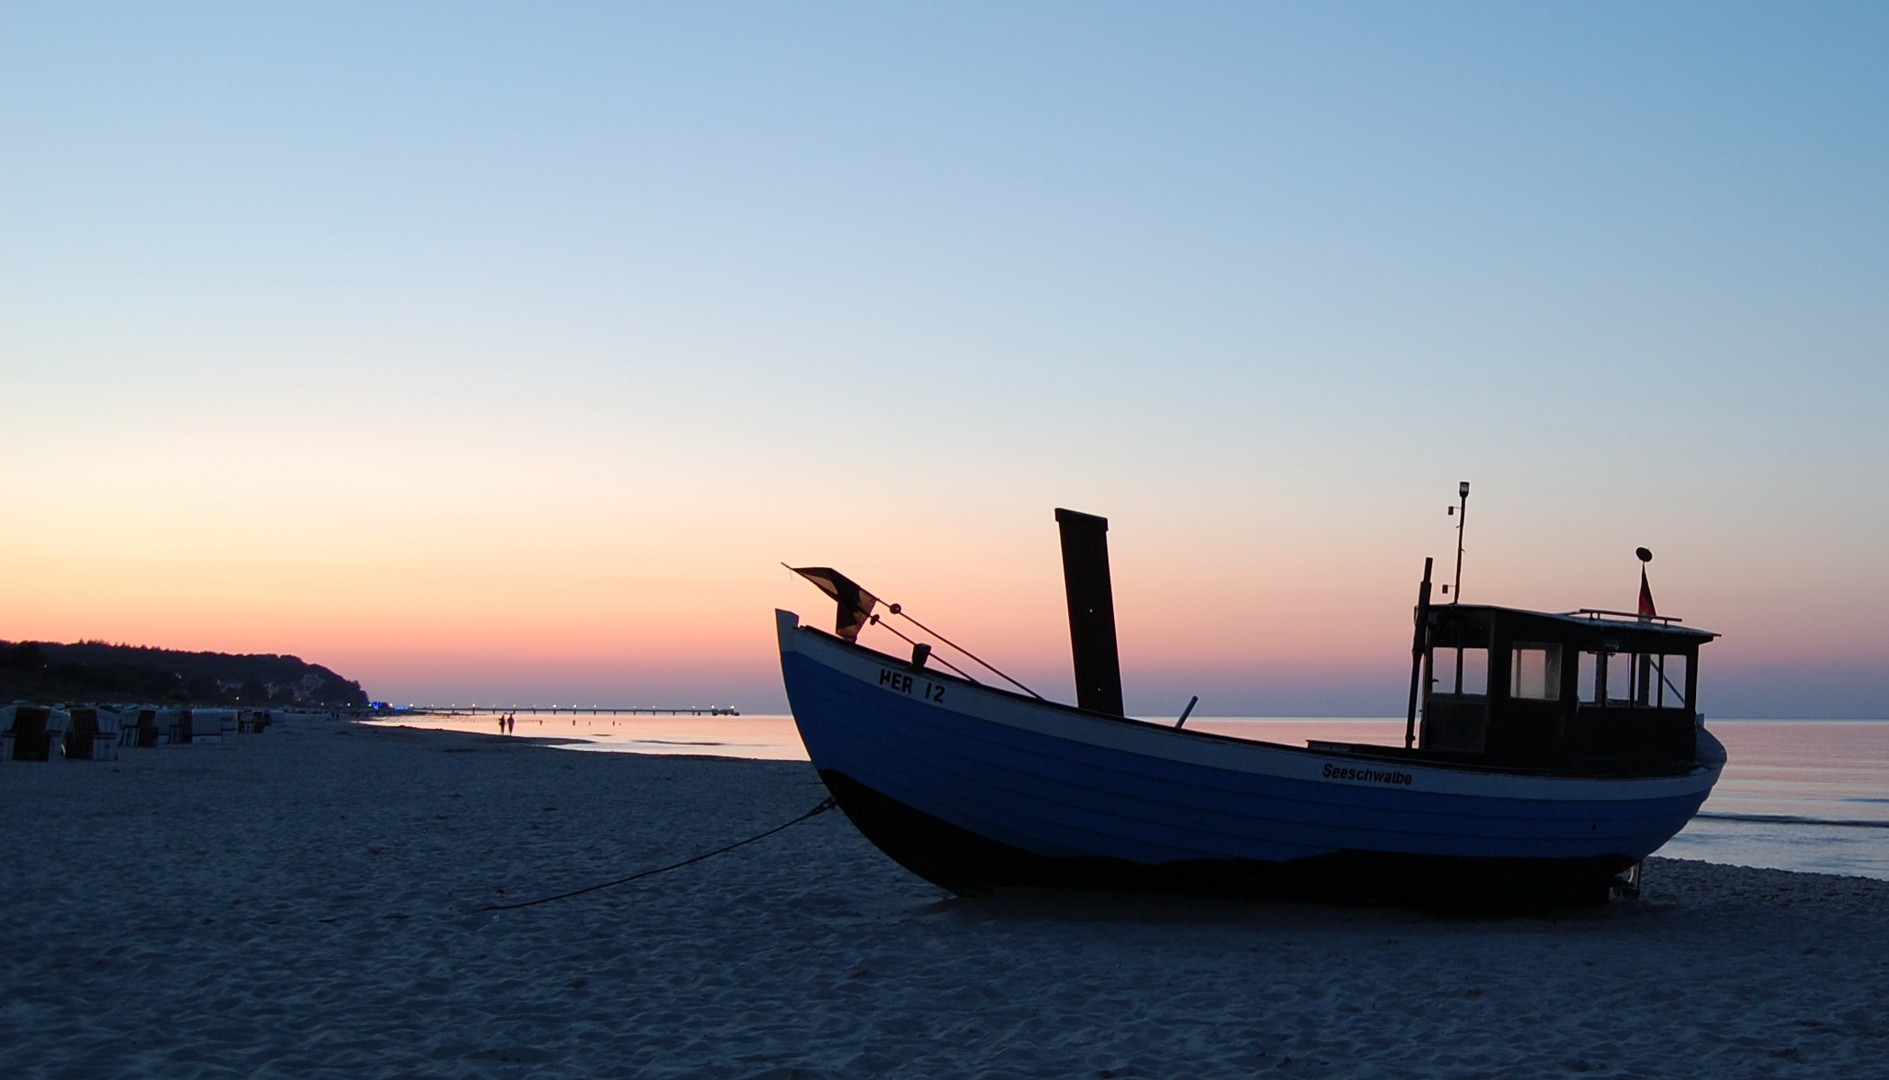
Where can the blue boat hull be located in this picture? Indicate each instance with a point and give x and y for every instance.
(974, 788)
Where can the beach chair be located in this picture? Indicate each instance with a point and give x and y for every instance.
(173, 726)
(105, 738)
(208, 725)
(93, 734)
(81, 742)
(6, 731)
(58, 723)
(138, 726)
(24, 738)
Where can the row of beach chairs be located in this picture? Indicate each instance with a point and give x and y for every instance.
(31, 732)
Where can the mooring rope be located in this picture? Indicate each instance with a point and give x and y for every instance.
(900, 612)
(824, 806)
(877, 621)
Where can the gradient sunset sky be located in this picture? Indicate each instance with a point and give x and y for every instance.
(502, 352)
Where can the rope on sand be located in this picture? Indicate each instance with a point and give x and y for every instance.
(824, 806)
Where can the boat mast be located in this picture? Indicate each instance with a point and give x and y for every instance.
(1456, 592)
(1417, 652)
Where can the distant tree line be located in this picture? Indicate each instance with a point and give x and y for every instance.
(199, 678)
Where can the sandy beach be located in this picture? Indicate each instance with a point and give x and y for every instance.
(305, 903)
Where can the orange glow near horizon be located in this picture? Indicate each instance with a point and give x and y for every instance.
(422, 590)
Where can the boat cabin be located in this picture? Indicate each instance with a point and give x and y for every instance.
(1587, 691)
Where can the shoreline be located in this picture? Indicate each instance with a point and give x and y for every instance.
(304, 902)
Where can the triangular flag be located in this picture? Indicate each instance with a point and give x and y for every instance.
(855, 603)
(1646, 596)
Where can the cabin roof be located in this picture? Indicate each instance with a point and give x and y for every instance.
(1586, 625)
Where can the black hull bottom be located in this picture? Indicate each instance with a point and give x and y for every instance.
(973, 865)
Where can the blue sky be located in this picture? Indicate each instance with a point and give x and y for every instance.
(427, 340)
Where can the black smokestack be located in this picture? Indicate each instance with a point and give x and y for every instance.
(1091, 611)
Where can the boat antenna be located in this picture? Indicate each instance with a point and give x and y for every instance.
(1462, 516)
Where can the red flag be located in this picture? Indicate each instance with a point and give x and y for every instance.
(1646, 596)
(855, 603)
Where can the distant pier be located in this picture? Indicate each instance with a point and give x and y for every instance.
(578, 710)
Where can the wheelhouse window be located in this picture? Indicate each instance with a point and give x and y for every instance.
(1460, 671)
(1632, 680)
(1535, 671)
(1669, 691)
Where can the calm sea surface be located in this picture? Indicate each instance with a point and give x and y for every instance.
(1796, 795)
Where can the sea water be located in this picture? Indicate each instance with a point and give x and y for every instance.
(1808, 795)
(1797, 795)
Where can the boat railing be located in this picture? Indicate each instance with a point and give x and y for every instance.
(1603, 615)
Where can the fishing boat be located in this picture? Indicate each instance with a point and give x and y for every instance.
(1545, 755)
